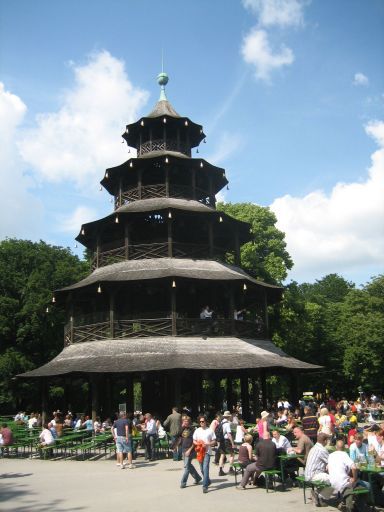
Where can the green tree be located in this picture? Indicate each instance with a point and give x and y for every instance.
(265, 256)
(30, 328)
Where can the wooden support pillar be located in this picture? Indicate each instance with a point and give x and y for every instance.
(293, 387)
(266, 319)
(166, 180)
(165, 136)
(263, 378)
(120, 193)
(173, 308)
(44, 399)
(67, 384)
(126, 241)
(112, 314)
(255, 396)
(150, 138)
(178, 140)
(212, 199)
(232, 309)
(140, 144)
(71, 319)
(237, 248)
(139, 183)
(230, 401)
(95, 402)
(217, 398)
(196, 395)
(210, 237)
(170, 236)
(177, 388)
(244, 395)
(129, 389)
(193, 178)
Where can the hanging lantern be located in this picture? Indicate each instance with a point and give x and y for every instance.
(130, 164)
(99, 289)
(169, 214)
(129, 150)
(197, 150)
(126, 130)
(204, 141)
(53, 299)
(166, 160)
(106, 174)
(100, 188)
(164, 120)
(116, 219)
(201, 164)
(47, 310)
(220, 219)
(227, 187)
(186, 123)
(142, 123)
(82, 231)
(76, 246)
(244, 287)
(173, 284)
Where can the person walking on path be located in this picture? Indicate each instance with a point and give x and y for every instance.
(203, 439)
(188, 451)
(120, 431)
(173, 425)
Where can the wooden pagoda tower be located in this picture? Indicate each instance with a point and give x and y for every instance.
(161, 256)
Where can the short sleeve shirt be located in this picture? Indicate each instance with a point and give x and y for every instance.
(304, 444)
(206, 435)
(120, 425)
(339, 466)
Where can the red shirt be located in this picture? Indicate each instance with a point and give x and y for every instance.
(7, 436)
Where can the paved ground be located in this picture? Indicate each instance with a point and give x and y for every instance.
(32, 485)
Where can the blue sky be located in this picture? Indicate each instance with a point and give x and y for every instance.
(290, 94)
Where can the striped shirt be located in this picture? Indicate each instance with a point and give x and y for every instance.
(317, 461)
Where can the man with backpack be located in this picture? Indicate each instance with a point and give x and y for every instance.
(225, 440)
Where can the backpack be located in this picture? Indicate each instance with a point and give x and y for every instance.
(219, 433)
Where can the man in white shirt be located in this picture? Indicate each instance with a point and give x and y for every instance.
(46, 437)
(150, 436)
(343, 476)
(204, 438)
(281, 442)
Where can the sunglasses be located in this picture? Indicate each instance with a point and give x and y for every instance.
(202, 421)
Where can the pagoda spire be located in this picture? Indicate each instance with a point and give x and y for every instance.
(162, 80)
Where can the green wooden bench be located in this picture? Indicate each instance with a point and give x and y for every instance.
(313, 484)
(270, 476)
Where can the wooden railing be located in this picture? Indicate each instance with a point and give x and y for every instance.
(159, 250)
(164, 145)
(153, 327)
(159, 190)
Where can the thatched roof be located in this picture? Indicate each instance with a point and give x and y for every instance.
(163, 108)
(161, 203)
(160, 268)
(149, 354)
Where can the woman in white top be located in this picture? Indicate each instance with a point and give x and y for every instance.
(240, 432)
(325, 422)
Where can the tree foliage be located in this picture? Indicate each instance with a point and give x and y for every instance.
(265, 256)
(29, 334)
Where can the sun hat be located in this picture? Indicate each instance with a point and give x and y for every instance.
(264, 414)
(226, 414)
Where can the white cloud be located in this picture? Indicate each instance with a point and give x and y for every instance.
(81, 215)
(81, 139)
(227, 144)
(283, 13)
(360, 79)
(342, 231)
(20, 212)
(256, 50)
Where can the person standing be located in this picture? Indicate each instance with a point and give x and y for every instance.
(188, 452)
(150, 430)
(121, 437)
(203, 439)
(173, 425)
(310, 424)
(226, 446)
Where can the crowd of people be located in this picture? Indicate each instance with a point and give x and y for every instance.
(316, 435)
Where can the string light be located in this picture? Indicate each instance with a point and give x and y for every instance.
(106, 174)
(220, 219)
(101, 188)
(201, 164)
(47, 310)
(130, 164)
(116, 219)
(166, 160)
(164, 120)
(186, 123)
(82, 231)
